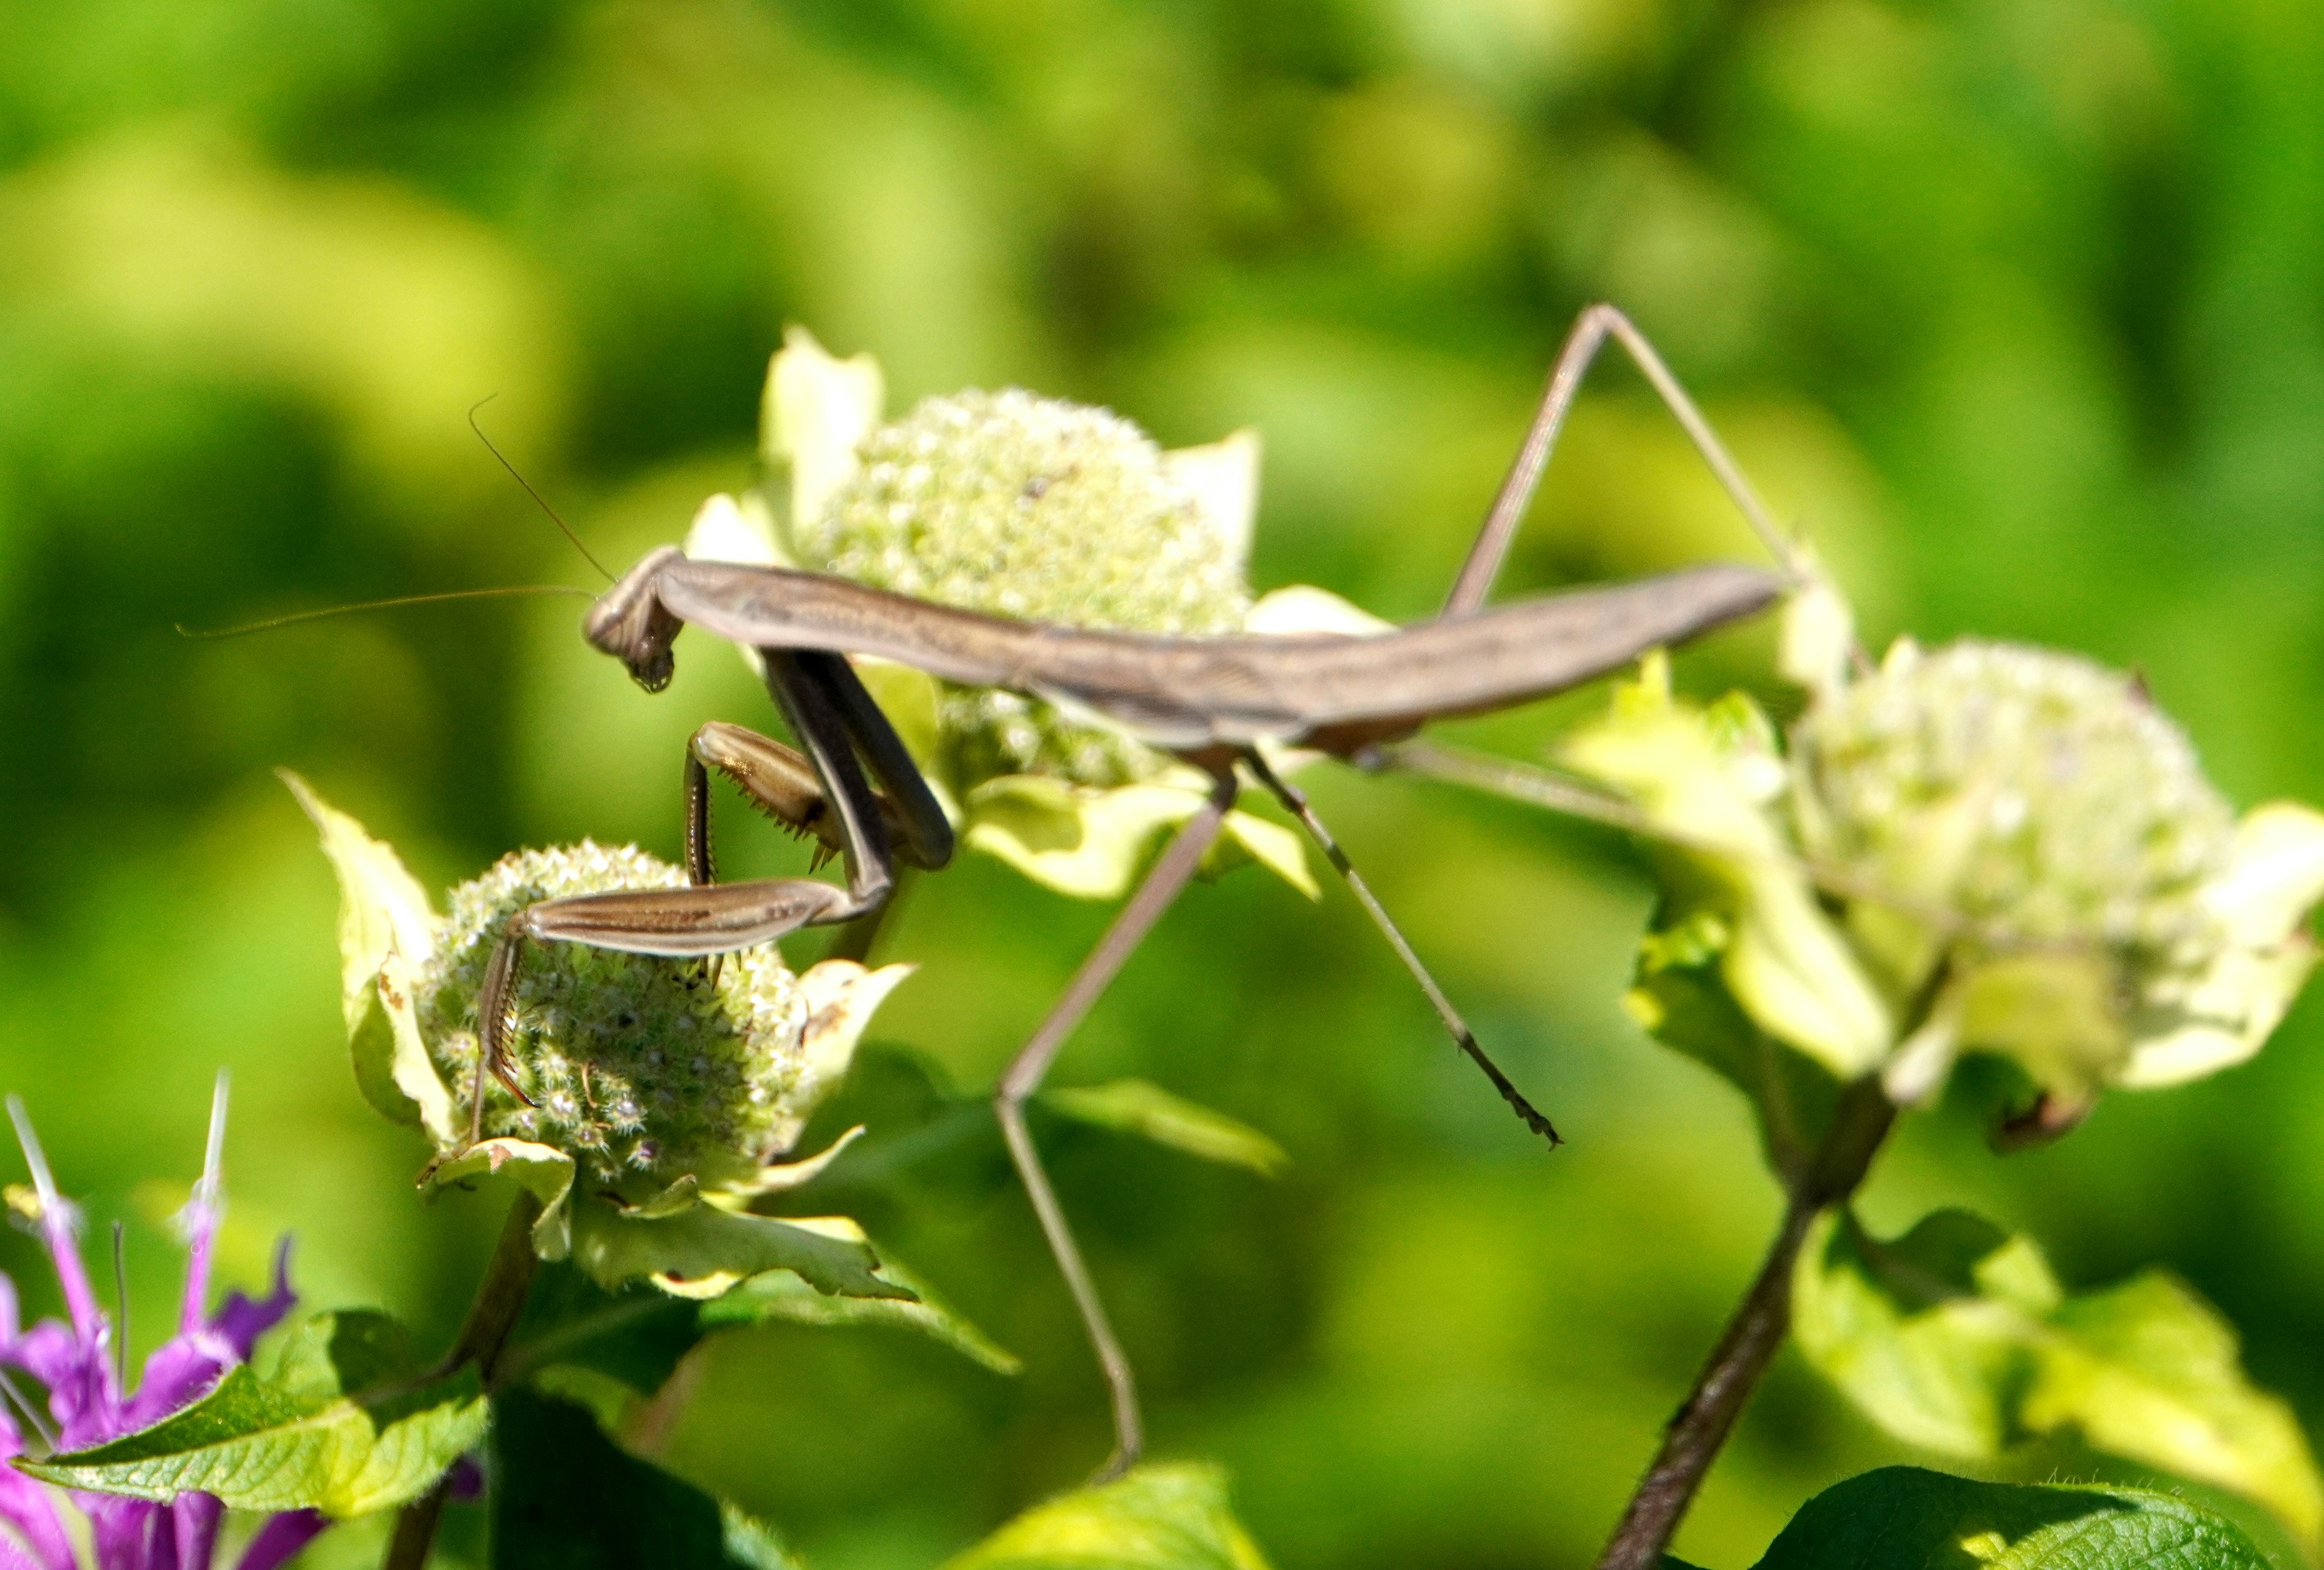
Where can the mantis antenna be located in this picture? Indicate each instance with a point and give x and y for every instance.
(295, 617)
(271, 623)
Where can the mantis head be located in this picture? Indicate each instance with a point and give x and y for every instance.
(629, 621)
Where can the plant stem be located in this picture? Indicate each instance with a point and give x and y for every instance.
(1752, 1336)
(492, 1315)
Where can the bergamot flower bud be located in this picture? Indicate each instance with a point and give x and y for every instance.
(1035, 508)
(638, 1066)
(2020, 788)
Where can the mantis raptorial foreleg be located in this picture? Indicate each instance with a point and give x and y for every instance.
(831, 715)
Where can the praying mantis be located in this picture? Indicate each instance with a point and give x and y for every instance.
(1212, 702)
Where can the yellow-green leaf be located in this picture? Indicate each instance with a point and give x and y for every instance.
(1158, 1518)
(386, 932)
(1133, 1106)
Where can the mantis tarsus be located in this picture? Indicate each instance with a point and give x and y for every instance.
(1209, 701)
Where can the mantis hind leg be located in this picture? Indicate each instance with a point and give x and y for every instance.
(1588, 334)
(1024, 1075)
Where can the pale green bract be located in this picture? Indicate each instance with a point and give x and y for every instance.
(664, 1103)
(1983, 847)
(1030, 507)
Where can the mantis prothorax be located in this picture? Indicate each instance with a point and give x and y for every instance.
(1211, 701)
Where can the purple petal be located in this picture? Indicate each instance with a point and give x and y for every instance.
(79, 1377)
(465, 1480)
(121, 1530)
(282, 1537)
(242, 1321)
(180, 1372)
(182, 1369)
(34, 1536)
(192, 1531)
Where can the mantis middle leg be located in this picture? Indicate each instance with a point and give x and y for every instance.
(1026, 1069)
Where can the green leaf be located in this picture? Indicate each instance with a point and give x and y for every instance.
(1133, 1106)
(1958, 1336)
(702, 1251)
(544, 1169)
(387, 931)
(1932, 1333)
(345, 1423)
(1158, 1518)
(815, 410)
(1904, 1517)
(1678, 997)
(564, 1497)
(682, 1244)
(2148, 1370)
(781, 1297)
(636, 1335)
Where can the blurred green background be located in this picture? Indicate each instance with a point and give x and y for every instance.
(2016, 306)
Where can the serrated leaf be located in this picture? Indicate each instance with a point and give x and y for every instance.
(1158, 1518)
(781, 1296)
(1906, 1518)
(1134, 1107)
(1957, 1336)
(343, 1424)
(564, 1497)
(387, 929)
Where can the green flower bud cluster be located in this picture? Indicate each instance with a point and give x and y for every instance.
(1035, 508)
(2019, 786)
(640, 1067)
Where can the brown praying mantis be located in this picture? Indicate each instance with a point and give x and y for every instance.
(1212, 702)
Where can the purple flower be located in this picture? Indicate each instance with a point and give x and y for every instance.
(74, 1360)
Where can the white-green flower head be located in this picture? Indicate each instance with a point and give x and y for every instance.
(665, 1102)
(2025, 790)
(1982, 847)
(1019, 505)
(1041, 510)
(637, 1066)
